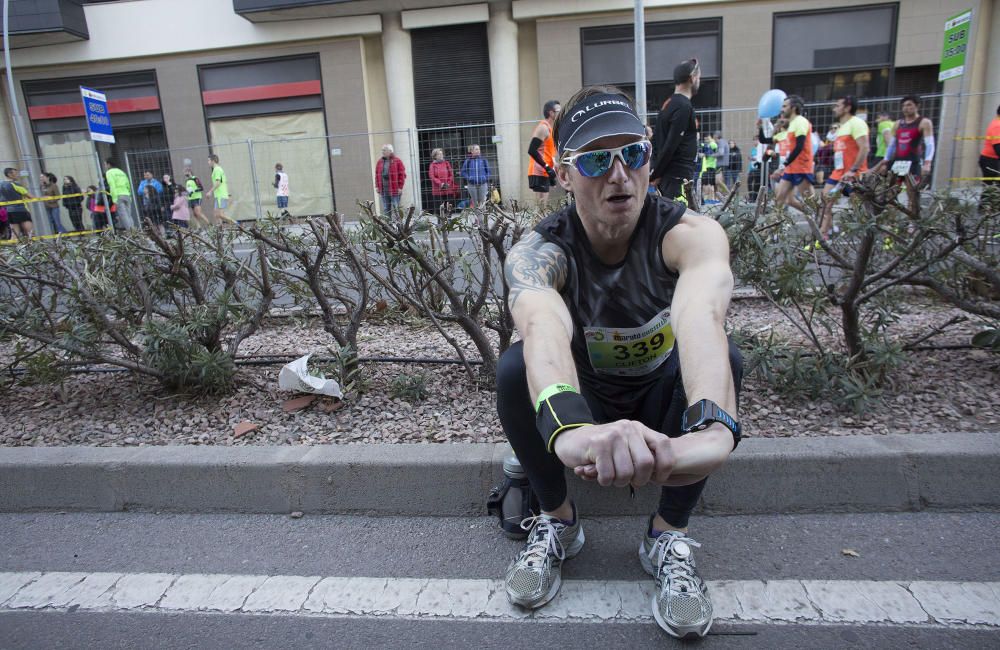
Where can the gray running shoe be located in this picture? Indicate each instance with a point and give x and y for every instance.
(680, 605)
(535, 575)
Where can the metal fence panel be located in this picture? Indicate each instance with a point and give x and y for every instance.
(336, 172)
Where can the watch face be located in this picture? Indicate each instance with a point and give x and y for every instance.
(694, 415)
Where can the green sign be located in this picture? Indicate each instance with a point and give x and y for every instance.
(956, 42)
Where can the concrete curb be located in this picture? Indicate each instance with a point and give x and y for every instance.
(948, 471)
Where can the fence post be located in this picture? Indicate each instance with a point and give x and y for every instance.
(256, 181)
(415, 168)
(956, 145)
(101, 195)
(39, 215)
(135, 210)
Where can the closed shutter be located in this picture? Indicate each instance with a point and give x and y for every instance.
(917, 80)
(451, 75)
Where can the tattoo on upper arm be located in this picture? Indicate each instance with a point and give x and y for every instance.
(534, 265)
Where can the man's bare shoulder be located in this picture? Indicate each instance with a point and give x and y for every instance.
(541, 130)
(694, 236)
(534, 264)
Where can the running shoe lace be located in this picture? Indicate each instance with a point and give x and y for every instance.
(677, 573)
(544, 539)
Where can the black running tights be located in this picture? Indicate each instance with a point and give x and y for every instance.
(660, 410)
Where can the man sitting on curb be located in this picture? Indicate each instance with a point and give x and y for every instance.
(599, 292)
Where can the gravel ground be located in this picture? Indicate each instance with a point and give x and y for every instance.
(947, 390)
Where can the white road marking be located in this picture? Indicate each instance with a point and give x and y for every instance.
(845, 602)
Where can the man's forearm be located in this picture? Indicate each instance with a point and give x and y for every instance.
(547, 356)
(862, 154)
(698, 454)
(704, 351)
(698, 317)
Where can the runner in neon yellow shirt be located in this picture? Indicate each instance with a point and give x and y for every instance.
(219, 191)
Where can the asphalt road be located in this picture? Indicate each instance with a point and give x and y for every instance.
(927, 546)
(72, 631)
(911, 546)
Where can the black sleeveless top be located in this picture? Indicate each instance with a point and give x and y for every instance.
(621, 330)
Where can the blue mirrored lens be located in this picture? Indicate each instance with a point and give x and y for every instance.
(636, 155)
(593, 164)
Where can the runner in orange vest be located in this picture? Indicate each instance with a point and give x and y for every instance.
(850, 158)
(542, 154)
(989, 157)
(798, 167)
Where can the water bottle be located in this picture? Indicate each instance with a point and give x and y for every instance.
(513, 500)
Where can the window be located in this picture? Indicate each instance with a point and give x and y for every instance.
(917, 80)
(822, 55)
(261, 87)
(609, 58)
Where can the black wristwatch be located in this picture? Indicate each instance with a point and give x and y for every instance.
(705, 412)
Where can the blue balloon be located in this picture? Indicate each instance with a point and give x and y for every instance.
(770, 103)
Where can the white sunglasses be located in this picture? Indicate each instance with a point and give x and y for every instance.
(599, 161)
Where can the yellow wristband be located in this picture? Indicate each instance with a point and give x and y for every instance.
(549, 391)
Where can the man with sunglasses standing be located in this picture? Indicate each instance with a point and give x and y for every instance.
(675, 136)
(617, 297)
(541, 155)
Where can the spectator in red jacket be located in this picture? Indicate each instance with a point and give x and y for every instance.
(442, 180)
(390, 175)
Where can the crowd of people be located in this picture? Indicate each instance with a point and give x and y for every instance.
(472, 187)
(156, 202)
(789, 157)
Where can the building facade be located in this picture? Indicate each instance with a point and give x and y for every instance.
(321, 85)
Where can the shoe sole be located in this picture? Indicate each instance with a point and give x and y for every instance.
(693, 631)
(572, 551)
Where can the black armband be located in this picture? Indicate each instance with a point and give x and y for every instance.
(561, 412)
(533, 152)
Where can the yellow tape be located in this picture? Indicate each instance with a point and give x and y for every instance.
(47, 198)
(10, 242)
(977, 178)
(977, 137)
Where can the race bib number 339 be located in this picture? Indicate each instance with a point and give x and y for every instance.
(630, 351)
